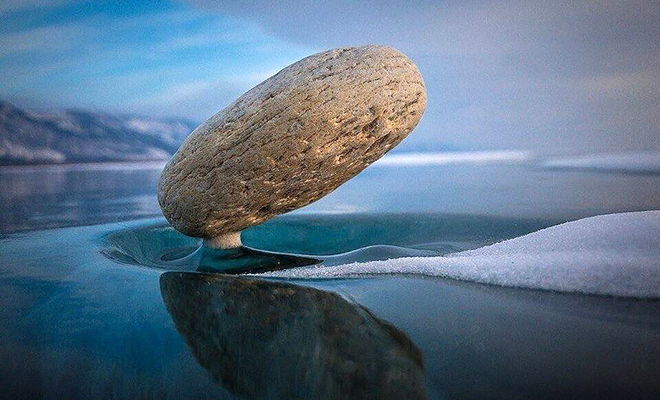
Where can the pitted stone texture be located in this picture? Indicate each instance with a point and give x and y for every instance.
(292, 139)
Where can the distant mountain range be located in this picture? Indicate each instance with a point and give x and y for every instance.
(71, 136)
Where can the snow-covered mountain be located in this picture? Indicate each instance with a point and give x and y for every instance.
(29, 137)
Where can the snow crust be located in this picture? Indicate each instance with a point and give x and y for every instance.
(614, 254)
(447, 158)
(645, 163)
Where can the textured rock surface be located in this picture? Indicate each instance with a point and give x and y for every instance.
(292, 139)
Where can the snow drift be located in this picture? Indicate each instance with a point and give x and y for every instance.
(615, 254)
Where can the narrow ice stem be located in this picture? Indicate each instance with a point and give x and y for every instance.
(225, 241)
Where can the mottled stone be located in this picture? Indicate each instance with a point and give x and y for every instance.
(271, 340)
(291, 140)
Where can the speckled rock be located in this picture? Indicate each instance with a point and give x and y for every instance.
(291, 140)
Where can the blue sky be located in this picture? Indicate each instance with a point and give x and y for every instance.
(153, 57)
(566, 76)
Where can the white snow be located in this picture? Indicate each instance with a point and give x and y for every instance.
(645, 162)
(30, 154)
(445, 158)
(615, 254)
(101, 166)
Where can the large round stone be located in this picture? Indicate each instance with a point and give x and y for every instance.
(291, 140)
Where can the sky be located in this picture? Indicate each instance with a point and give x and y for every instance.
(554, 77)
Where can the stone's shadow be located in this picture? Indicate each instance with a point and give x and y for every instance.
(262, 339)
(248, 260)
(241, 260)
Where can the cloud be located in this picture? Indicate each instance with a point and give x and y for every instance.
(21, 5)
(549, 76)
(458, 27)
(170, 61)
(59, 38)
(558, 76)
(201, 99)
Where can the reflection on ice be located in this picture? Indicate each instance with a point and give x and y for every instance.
(245, 260)
(272, 340)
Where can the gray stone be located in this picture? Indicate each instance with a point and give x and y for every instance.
(291, 140)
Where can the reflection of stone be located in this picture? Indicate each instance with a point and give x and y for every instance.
(271, 340)
(291, 140)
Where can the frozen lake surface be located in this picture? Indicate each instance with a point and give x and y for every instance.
(92, 305)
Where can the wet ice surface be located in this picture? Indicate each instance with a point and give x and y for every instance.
(81, 322)
(115, 310)
(507, 184)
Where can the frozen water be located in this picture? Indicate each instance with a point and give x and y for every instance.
(638, 163)
(459, 157)
(615, 254)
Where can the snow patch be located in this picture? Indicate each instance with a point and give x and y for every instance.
(643, 163)
(615, 254)
(445, 158)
